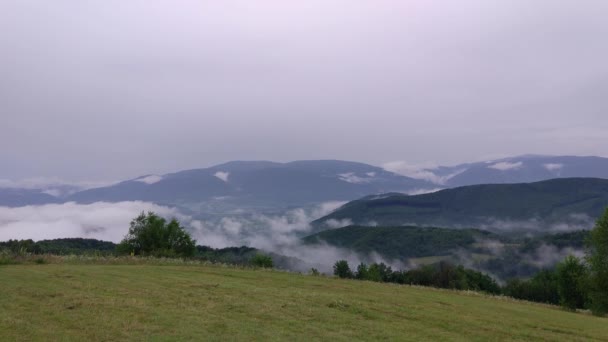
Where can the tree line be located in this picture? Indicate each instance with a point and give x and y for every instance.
(441, 275)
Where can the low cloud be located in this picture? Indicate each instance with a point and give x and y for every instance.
(261, 231)
(573, 222)
(517, 262)
(547, 256)
(506, 166)
(282, 234)
(333, 223)
(110, 222)
(350, 177)
(52, 186)
(151, 179)
(420, 171)
(103, 221)
(553, 166)
(423, 191)
(222, 175)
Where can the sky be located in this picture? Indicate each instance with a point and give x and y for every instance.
(113, 89)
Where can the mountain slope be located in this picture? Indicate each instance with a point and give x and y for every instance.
(21, 197)
(522, 169)
(247, 183)
(401, 243)
(554, 204)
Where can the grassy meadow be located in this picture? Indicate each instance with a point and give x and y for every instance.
(80, 302)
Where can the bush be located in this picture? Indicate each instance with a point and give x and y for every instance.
(541, 288)
(40, 261)
(261, 260)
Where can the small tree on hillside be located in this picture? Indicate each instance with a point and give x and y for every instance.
(342, 270)
(150, 234)
(597, 258)
(572, 283)
(362, 272)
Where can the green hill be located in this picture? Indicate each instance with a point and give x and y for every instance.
(401, 242)
(148, 302)
(503, 256)
(544, 205)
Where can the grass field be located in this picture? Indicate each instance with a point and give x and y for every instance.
(152, 302)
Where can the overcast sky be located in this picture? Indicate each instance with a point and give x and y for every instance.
(111, 89)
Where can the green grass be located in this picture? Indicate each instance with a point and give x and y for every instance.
(81, 302)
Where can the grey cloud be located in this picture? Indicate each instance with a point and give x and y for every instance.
(110, 221)
(575, 221)
(114, 89)
(104, 221)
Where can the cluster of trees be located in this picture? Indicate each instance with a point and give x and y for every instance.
(441, 275)
(75, 246)
(567, 285)
(151, 235)
(583, 283)
(229, 255)
(574, 283)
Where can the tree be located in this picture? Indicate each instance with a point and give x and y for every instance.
(571, 283)
(342, 270)
(362, 272)
(597, 258)
(150, 234)
(379, 272)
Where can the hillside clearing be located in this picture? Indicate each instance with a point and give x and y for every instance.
(144, 302)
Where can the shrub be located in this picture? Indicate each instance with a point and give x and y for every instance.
(261, 260)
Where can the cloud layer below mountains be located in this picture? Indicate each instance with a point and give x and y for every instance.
(103, 221)
(110, 221)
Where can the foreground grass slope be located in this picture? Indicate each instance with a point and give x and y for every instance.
(151, 302)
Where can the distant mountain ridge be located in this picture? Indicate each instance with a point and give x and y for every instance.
(557, 204)
(257, 182)
(267, 184)
(521, 169)
(10, 197)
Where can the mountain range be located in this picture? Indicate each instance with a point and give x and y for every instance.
(521, 169)
(264, 184)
